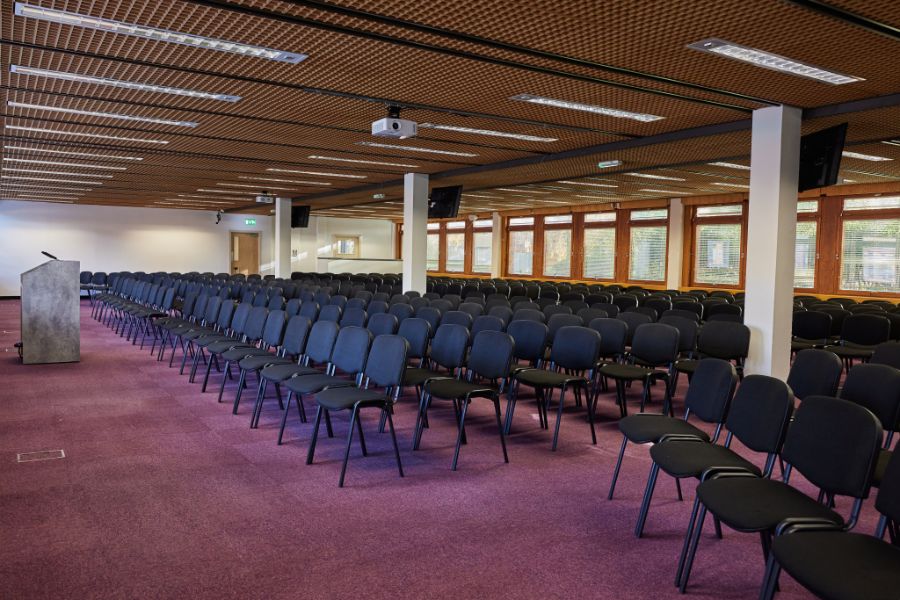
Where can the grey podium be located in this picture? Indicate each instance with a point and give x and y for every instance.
(51, 328)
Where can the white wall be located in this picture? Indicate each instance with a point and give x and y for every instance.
(109, 239)
(376, 240)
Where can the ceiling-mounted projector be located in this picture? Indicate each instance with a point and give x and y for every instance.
(393, 126)
(265, 198)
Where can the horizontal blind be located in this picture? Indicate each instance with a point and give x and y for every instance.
(870, 255)
(432, 251)
(558, 252)
(647, 257)
(521, 250)
(717, 254)
(600, 252)
(482, 251)
(456, 253)
(805, 255)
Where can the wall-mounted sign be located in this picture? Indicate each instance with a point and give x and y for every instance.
(249, 221)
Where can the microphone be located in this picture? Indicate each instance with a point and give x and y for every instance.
(45, 253)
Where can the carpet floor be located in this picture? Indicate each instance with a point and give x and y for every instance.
(163, 493)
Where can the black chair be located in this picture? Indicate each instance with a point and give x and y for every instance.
(486, 323)
(613, 334)
(487, 372)
(384, 368)
(250, 334)
(560, 320)
(608, 307)
(644, 310)
(272, 337)
(718, 339)
(354, 317)
(457, 317)
(684, 314)
(401, 311)
(529, 315)
(430, 314)
(382, 324)
(574, 351)
(501, 312)
(887, 353)
(815, 373)
(625, 301)
(833, 443)
(634, 320)
(834, 564)
(708, 397)
(448, 352)
(758, 417)
(715, 310)
(530, 338)
(860, 334)
(688, 329)
(331, 312)
(589, 314)
(689, 305)
(475, 310)
(810, 329)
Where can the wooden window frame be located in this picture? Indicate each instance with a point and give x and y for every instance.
(842, 215)
(536, 250)
(623, 245)
(692, 220)
(557, 227)
(471, 230)
(815, 217)
(578, 251)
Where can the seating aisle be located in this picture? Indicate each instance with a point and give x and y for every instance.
(164, 493)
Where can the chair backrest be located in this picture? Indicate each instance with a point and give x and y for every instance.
(387, 361)
(576, 348)
(401, 311)
(634, 320)
(624, 301)
(555, 309)
(487, 323)
(276, 303)
(888, 500)
(690, 306)
(811, 325)
(419, 302)
(655, 344)
(528, 314)
(876, 387)
(866, 329)
(256, 322)
(761, 412)
(589, 314)
(473, 308)
(417, 332)
(239, 318)
(687, 331)
(502, 312)
(724, 309)
(530, 339)
(448, 348)
(712, 386)
(491, 355)
(351, 349)
(723, 339)
(440, 305)
(273, 333)
(560, 320)
(260, 299)
(834, 444)
(887, 353)
(613, 334)
(320, 342)
(295, 335)
(608, 307)
(354, 317)
(213, 306)
(815, 373)
(330, 312)
(383, 324)
(338, 300)
(310, 310)
(355, 302)
(292, 307)
(430, 314)
(457, 317)
(377, 306)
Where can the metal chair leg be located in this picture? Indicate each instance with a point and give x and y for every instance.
(692, 551)
(390, 421)
(500, 428)
(559, 412)
(645, 504)
(459, 435)
(615, 477)
(315, 435)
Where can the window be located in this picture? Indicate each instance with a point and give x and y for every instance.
(870, 245)
(558, 252)
(805, 253)
(456, 252)
(432, 251)
(520, 260)
(346, 246)
(482, 246)
(647, 245)
(718, 235)
(599, 245)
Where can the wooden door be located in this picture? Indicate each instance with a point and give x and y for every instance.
(244, 253)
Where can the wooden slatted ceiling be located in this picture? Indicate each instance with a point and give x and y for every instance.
(323, 106)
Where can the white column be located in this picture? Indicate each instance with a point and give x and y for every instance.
(496, 244)
(282, 247)
(676, 244)
(771, 236)
(415, 223)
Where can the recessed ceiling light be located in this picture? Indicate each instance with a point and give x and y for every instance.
(247, 177)
(416, 149)
(728, 165)
(66, 153)
(599, 110)
(162, 35)
(891, 142)
(256, 187)
(63, 164)
(104, 115)
(215, 191)
(602, 185)
(736, 185)
(489, 132)
(848, 154)
(521, 190)
(662, 191)
(378, 196)
(767, 60)
(595, 197)
(211, 197)
(201, 201)
(652, 176)
(66, 173)
(365, 162)
(87, 135)
(317, 173)
(29, 178)
(118, 83)
(608, 164)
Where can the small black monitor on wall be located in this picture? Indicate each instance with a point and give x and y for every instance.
(444, 202)
(299, 216)
(820, 157)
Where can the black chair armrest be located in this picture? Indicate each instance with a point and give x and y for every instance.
(681, 437)
(799, 524)
(724, 472)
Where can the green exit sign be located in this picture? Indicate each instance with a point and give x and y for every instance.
(249, 221)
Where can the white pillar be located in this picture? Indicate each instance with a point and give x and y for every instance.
(282, 248)
(496, 244)
(771, 236)
(415, 223)
(676, 244)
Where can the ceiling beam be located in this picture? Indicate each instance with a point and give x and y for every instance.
(847, 16)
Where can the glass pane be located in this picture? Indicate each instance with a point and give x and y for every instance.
(481, 251)
(432, 251)
(601, 217)
(718, 254)
(456, 225)
(513, 221)
(871, 203)
(557, 252)
(483, 223)
(433, 226)
(557, 219)
(808, 206)
(600, 252)
(521, 248)
(720, 210)
(870, 257)
(456, 252)
(648, 254)
(647, 215)
(805, 255)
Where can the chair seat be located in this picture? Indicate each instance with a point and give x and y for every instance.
(688, 365)
(545, 378)
(255, 363)
(690, 459)
(346, 397)
(850, 351)
(646, 428)
(236, 354)
(798, 344)
(841, 566)
(881, 466)
(286, 371)
(454, 388)
(310, 384)
(750, 505)
(418, 375)
(196, 333)
(627, 372)
(212, 338)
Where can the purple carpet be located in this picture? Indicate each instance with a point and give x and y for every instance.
(165, 494)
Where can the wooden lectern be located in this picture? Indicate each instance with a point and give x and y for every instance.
(51, 327)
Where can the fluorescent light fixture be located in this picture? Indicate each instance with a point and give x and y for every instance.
(62, 164)
(39, 199)
(317, 173)
(870, 157)
(103, 115)
(520, 190)
(201, 201)
(416, 149)
(284, 180)
(87, 135)
(28, 178)
(608, 164)
(591, 108)
(736, 185)
(211, 197)
(378, 196)
(365, 162)
(594, 197)
(602, 185)
(82, 154)
(44, 187)
(214, 191)
(728, 165)
(256, 187)
(482, 196)
(161, 35)
(119, 83)
(891, 142)
(66, 173)
(44, 192)
(652, 176)
(662, 191)
(490, 132)
(44, 195)
(767, 60)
